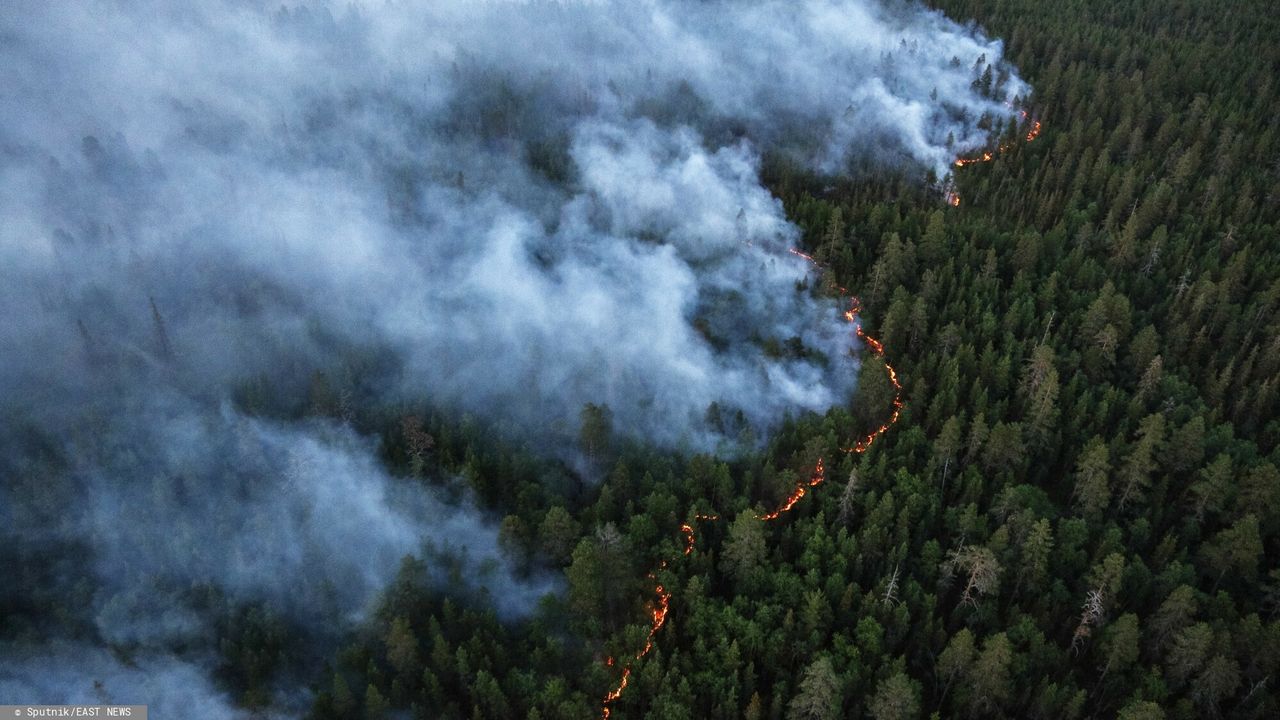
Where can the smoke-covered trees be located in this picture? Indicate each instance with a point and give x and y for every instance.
(595, 429)
(1068, 329)
(1077, 515)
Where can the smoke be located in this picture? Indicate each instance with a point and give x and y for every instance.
(180, 513)
(528, 206)
(169, 686)
(510, 209)
(301, 518)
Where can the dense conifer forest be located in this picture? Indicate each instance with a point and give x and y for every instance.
(1076, 514)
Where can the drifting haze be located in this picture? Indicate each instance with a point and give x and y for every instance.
(526, 205)
(169, 686)
(517, 208)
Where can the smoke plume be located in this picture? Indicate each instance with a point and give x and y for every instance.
(508, 209)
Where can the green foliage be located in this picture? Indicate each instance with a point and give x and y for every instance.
(1079, 511)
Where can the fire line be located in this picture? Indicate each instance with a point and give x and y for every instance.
(661, 605)
(950, 195)
(658, 610)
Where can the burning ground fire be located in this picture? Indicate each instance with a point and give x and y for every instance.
(658, 617)
(950, 195)
(661, 605)
(687, 529)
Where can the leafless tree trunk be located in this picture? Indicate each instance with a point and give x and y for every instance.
(1090, 617)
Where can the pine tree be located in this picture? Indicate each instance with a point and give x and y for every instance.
(744, 552)
(1093, 472)
(819, 694)
(558, 534)
(1135, 473)
(1039, 390)
(896, 698)
(990, 678)
(957, 659)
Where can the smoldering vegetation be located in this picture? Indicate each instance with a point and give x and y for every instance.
(506, 209)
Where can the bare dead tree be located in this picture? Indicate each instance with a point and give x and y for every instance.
(1183, 284)
(891, 591)
(417, 441)
(1254, 689)
(1091, 614)
(846, 498)
(1152, 259)
(1048, 325)
(875, 281)
(346, 405)
(1229, 239)
(981, 569)
(298, 467)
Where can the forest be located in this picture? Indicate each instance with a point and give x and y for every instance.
(1078, 514)
(1075, 512)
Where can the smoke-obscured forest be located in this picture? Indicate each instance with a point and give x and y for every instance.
(641, 360)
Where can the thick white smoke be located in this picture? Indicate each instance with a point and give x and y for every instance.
(528, 204)
(511, 209)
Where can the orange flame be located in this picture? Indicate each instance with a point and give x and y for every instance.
(659, 610)
(815, 479)
(1034, 132)
(659, 614)
(951, 197)
(615, 693)
(687, 529)
(806, 256)
(984, 157)
(657, 618)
